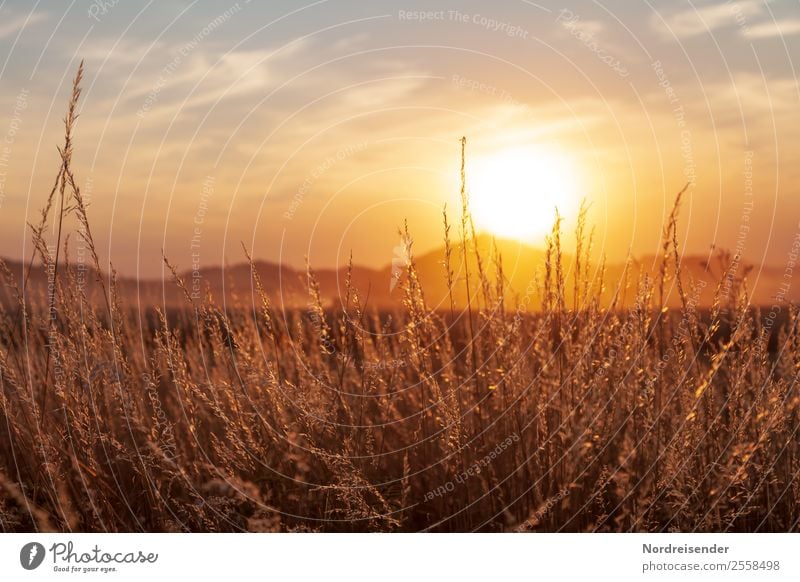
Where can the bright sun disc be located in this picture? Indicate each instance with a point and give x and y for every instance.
(515, 193)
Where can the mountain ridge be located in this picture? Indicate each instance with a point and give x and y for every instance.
(286, 286)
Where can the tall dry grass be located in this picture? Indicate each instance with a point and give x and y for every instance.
(485, 416)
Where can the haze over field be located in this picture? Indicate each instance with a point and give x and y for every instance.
(523, 266)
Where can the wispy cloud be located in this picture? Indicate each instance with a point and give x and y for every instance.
(14, 23)
(785, 27)
(234, 74)
(760, 99)
(695, 21)
(120, 52)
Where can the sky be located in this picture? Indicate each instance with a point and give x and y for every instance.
(313, 130)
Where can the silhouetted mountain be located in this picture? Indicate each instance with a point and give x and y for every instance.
(523, 270)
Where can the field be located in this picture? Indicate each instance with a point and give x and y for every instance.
(551, 411)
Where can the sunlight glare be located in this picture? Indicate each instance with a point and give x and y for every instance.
(515, 193)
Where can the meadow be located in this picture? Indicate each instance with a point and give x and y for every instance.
(549, 411)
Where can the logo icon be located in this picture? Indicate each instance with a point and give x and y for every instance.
(401, 260)
(31, 555)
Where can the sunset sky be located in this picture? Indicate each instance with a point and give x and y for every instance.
(313, 129)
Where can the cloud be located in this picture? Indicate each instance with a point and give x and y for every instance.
(760, 98)
(695, 21)
(120, 52)
(13, 24)
(776, 28)
(169, 79)
(235, 73)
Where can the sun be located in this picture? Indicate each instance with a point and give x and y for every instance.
(515, 193)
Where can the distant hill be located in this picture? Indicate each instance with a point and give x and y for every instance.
(523, 269)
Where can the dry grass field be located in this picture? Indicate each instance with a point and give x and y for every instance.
(578, 415)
